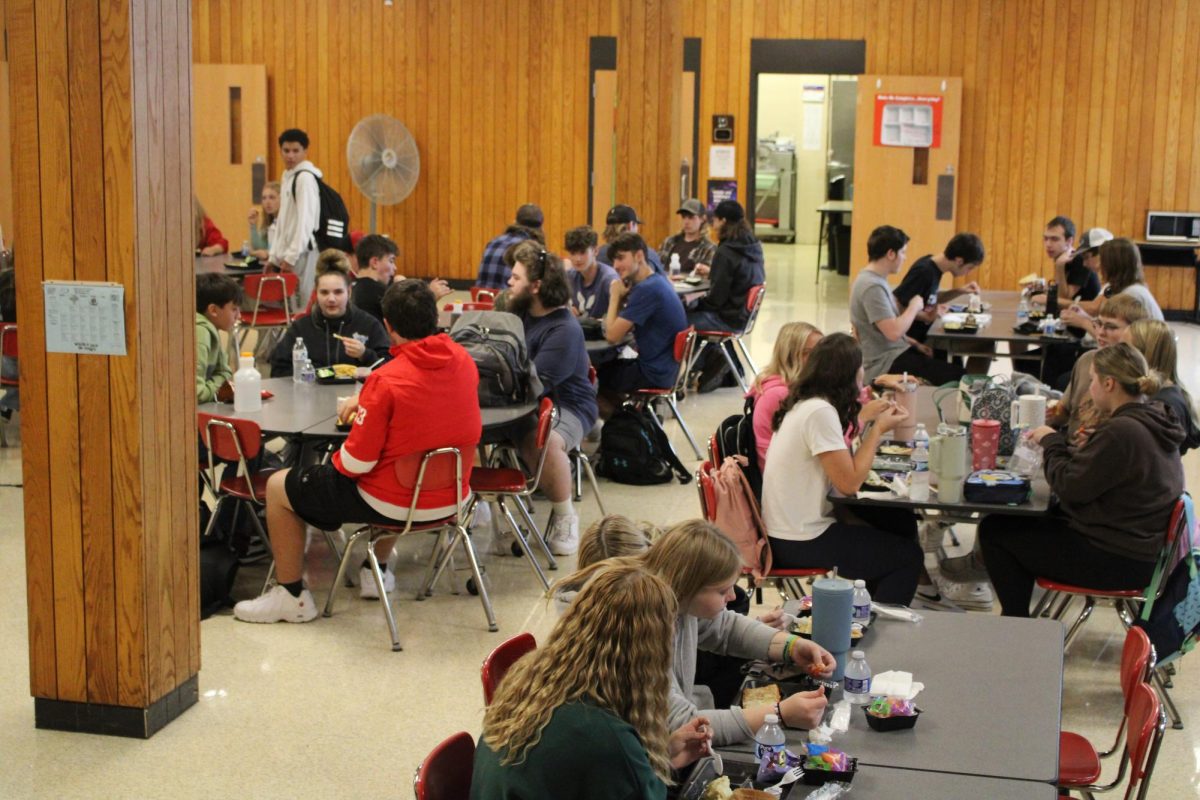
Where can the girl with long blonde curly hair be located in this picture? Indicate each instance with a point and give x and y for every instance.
(589, 707)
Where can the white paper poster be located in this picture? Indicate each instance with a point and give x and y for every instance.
(85, 317)
(814, 128)
(722, 161)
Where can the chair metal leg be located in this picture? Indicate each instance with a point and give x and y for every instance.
(1172, 709)
(686, 431)
(1089, 605)
(527, 515)
(591, 476)
(469, 549)
(746, 355)
(737, 372)
(440, 547)
(524, 542)
(341, 571)
(386, 603)
(1043, 605)
(699, 349)
(1061, 609)
(577, 475)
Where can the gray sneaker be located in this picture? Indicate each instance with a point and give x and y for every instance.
(972, 596)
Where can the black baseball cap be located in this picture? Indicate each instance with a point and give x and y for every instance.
(621, 214)
(730, 211)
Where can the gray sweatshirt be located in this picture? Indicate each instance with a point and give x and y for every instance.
(729, 633)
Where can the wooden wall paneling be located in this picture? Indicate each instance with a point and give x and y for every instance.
(39, 560)
(1031, 123)
(95, 446)
(58, 245)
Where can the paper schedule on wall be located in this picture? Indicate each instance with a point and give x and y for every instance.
(85, 317)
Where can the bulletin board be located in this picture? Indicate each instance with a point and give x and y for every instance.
(904, 120)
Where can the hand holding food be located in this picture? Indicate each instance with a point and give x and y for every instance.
(689, 742)
(804, 709)
(353, 347)
(873, 409)
(890, 418)
(777, 618)
(347, 407)
(806, 653)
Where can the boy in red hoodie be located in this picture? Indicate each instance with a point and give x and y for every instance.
(426, 397)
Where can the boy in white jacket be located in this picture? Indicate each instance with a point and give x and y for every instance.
(293, 245)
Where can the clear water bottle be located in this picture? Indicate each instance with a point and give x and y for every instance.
(247, 385)
(920, 453)
(769, 740)
(1022, 310)
(857, 683)
(308, 373)
(676, 266)
(299, 358)
(861, 604)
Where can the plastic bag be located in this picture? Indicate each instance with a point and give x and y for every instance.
(1026, 459)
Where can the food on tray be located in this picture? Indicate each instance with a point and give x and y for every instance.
(760, 696)
(895, 450)
(891, 707)
(750, 794)
(873, 479)
(345, 370)
(718, 790)
(803, 626)
(1032, 277)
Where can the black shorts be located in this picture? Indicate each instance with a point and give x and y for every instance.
(327, 499)
(622, 376)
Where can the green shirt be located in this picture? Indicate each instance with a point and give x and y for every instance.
(212, 364)
(584, 753)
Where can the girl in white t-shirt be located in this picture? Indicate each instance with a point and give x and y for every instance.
(808, 456)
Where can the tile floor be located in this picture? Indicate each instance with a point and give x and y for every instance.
(328, 709)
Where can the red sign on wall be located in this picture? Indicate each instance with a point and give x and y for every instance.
(908, 120)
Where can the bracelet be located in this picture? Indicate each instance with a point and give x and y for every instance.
(779, 713)
(787, 646)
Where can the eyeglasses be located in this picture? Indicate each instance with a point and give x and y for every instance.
(1113, 327)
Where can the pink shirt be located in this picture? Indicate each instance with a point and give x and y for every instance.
(766, 403)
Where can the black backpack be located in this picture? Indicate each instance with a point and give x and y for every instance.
(735, 437)
(495, 340)
(218, 570)
(634, 450)
(333, 226)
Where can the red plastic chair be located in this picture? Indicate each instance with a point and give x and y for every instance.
(483, 305)
(492, 484)
(446, 772)
(235, 441)
(685, 341)
(1127, 601)
(754, 301)
(785, 580)
(275, 288)
(435, 469)
(1146, 722)
(483, 294)
(498, 662)
(8, 347)
(1078, 760)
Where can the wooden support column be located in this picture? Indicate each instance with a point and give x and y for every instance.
(649, 68)
(101, 136)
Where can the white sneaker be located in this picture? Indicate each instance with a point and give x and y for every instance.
(972, 596)
(277, 605)
(563, 537)
(933, 534)
(502, 543)
(366, 583)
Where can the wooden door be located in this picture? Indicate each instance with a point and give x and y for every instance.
(906, 161)
(229, 135)
(604, 138)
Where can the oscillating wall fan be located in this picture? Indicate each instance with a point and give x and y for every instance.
(383, 159)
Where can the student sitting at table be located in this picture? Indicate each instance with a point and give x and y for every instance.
(262, 221)
(611, 536)
(585, 714)
(590, 280)
(493, 270)
(882, 328)
(1121, 266)
(808, 456)
(793, 344)
(538, 294)
(1075, 410)
(376, 257)
(644, 303)
(619, 221)
(218, 307)
(208, 239)
(425, 398)
(736, 267)
(962, 256)
(691, 244)
(1156, 341)
(334, 331)
(1115, 493)
(702, 566)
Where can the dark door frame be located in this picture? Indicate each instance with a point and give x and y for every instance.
(691, 63)
(602, 55)
(794, 57)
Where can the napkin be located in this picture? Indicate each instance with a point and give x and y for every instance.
(981, 319)
(895, 684)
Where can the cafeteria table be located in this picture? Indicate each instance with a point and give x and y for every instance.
(294, 409)
(992, 701)
(885, 783)
(1003, 313)
(206, 264)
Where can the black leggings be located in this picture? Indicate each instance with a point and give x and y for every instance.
(937, 372)
(883, 552)
(1018, 550)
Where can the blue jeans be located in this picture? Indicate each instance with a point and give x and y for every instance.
(709, 321)
(11, 399)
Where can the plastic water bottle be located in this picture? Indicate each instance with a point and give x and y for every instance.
(247, 385)
(857, 683)
(299, 358)
(769, 739)
(861, 604)
(920, 454)
(1022, 310)
(308, 373)
(676, 266)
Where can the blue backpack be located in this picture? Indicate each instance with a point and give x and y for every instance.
(1172, 619)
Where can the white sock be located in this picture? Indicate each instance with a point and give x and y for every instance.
(564, 509)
